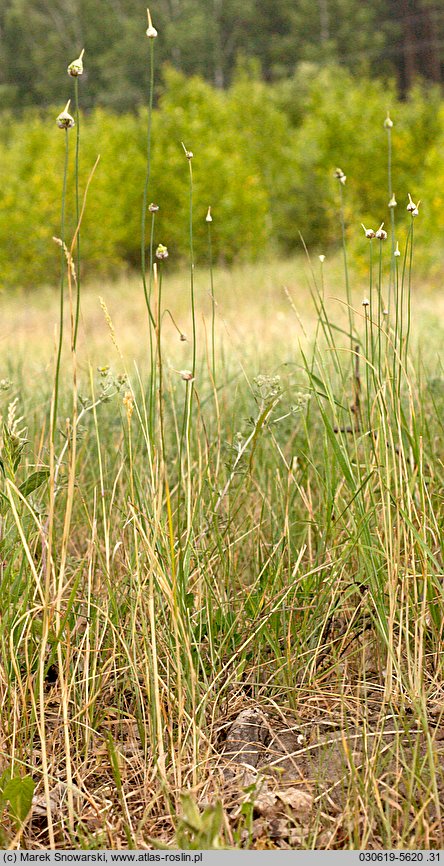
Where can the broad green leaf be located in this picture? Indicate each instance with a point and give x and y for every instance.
(33, 481)
(19, 793)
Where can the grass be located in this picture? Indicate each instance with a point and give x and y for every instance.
(304, 577)
(222, 595)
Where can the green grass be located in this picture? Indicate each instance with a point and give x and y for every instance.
(270, 560)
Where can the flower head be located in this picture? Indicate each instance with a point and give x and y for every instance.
(366, 302)
(151, 31)
(388, 122)
(153, 208)
(209, 218)
(64, 120)
(340, 176)
(369, 233)
(161, 252)
(186, 375)
(412, 207)
(188, 153)
(381, 234)
(76, 67)
(392, 202)
(322, 259)
(397, 250)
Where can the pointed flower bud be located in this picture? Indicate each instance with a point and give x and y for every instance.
(209, 218)
(392, 202)
(381, 234)
(64, 120)
(322, 259)
(188, 153)
(412, 207)
(161, 252)
(151, 31)
(369, 233)
(388, 122)
(397, 251)
(76, 67)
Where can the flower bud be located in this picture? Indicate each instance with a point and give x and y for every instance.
(388, 122)
(209, 218)
(188, 153)
(412, 207)
(339, 175)
(366, 302)
(381, 234)
(369, 233)
(64, 120)
(392, 202)
(76, 67)
(322, 259)
(151, 32)
(397, 250)
(153, 208)
(161, 252)
(186, 375)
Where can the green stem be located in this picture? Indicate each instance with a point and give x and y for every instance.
(347, 279)
(62, 284)
(213, 306)
(145, 189)
(77, 313)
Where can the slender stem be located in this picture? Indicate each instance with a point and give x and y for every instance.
(193, 312)
(145, 188)
(62, 285)
(409, 296)
(77, 313)
(213, 306)
(347, 279)
(392, 217)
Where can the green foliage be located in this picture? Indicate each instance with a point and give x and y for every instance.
(198, 830)
(264, 158)
(16, 793)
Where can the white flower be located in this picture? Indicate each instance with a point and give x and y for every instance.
(209, 218)
(388, 122)
(369, 233)
(412, 207)
(64, 120)
(76, 67)
(397, 251)
(322, 259)
(151, 31)
(381, 234)
(186, 375)
(392, 202)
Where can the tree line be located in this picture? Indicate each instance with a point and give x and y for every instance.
(401, 39)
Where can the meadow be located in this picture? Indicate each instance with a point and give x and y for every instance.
(222, 523)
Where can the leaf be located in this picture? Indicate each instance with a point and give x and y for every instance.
(33, 481)
(19, 793)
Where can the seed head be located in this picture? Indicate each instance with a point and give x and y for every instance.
(76, 67)
(388, 122)
(182, 338)
(209, 218)
(369, 233)
(340, 176)
(412, 207)
(392, 202)
(366, 302)
(151, 31)
(64, 120)
(397, 250)
(186, 375)
(161, 252)
(153, 208)
(381, 234)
